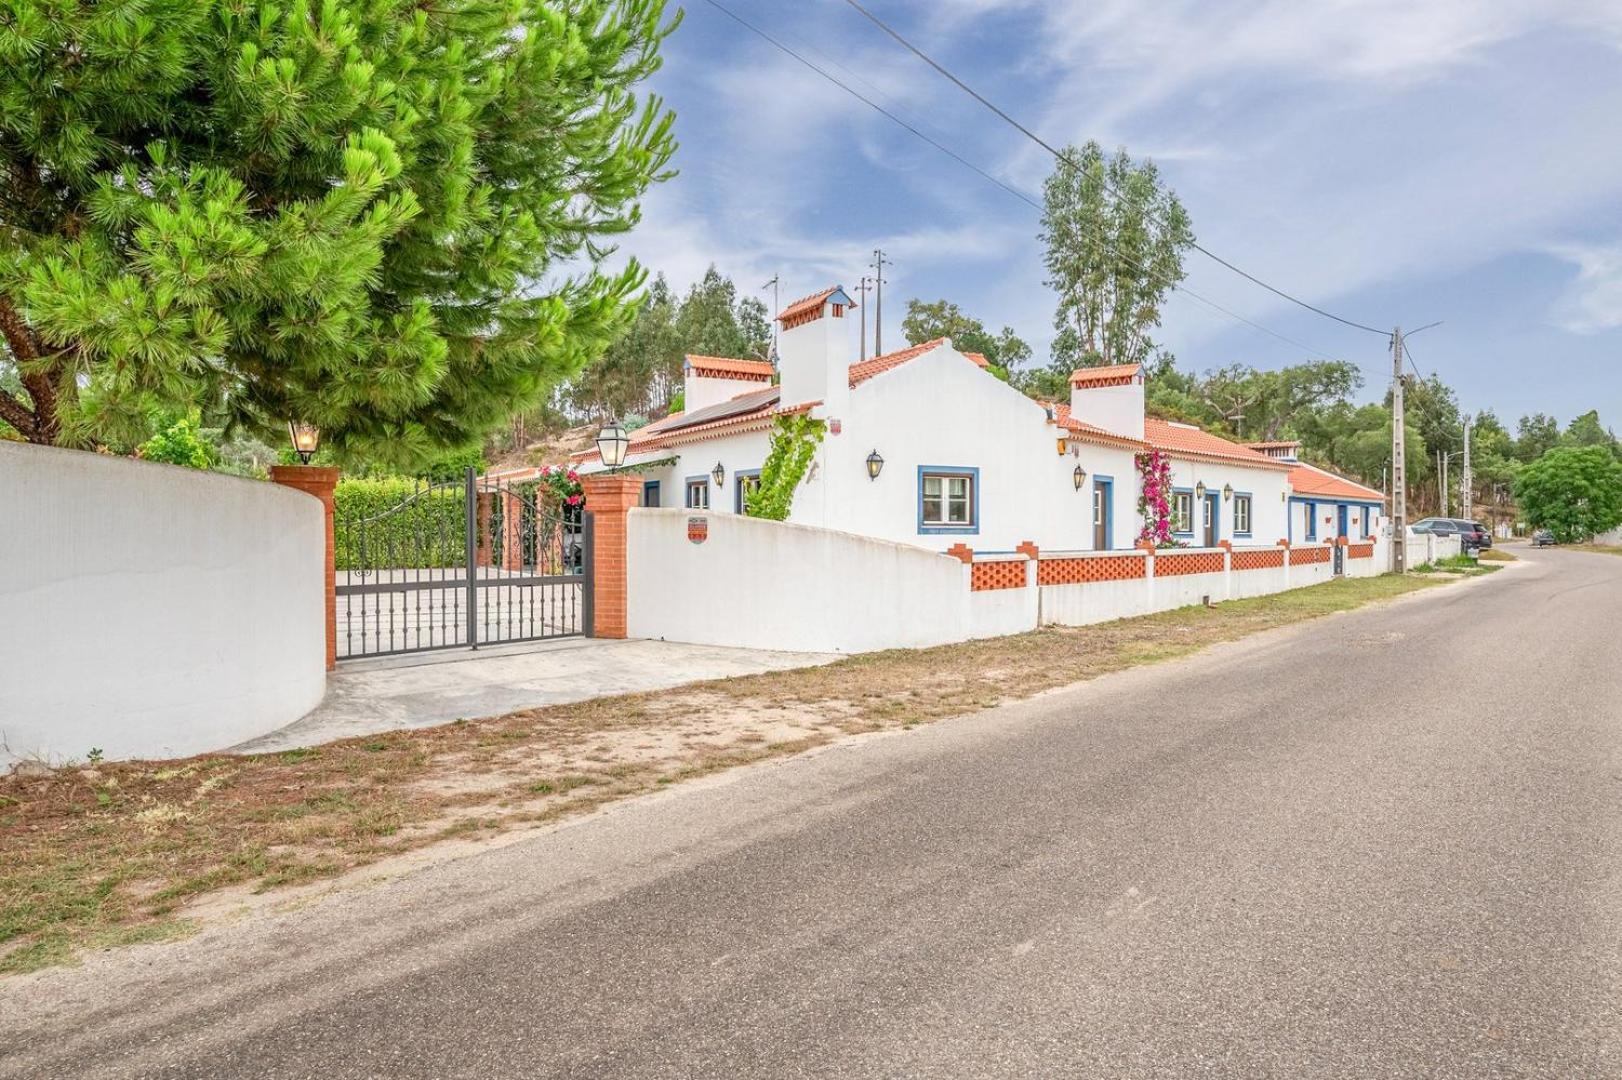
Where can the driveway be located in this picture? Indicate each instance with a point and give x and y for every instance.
(1385, 844)
(426, 689)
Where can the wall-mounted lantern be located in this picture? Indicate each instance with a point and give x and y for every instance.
(875, 465)
(612, 443)
(1079, 477)
(1199, 490)
(306, 437)
(1227, 492)
(720, 474)
(1284, 496)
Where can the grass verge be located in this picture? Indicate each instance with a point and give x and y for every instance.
(1497, 555)
(1597, 549)
(1462, 565)
(95, 857)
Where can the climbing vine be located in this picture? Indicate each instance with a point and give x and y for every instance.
(794, 443)
(1154, 500)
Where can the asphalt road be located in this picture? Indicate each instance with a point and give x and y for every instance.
(1387, 844)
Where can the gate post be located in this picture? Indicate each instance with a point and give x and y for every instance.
(609, 498)
(320, 481)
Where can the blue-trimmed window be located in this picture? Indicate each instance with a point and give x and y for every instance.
(698, 493)
(1182, 511)
(1365, 521)
(650, 493)
(1312, 520)
(948, 499)
(1243, 505)
(744, 481)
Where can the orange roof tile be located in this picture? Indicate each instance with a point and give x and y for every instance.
(1277, 444)
(1110, 375)
(1081, 429)
(1185, 440)
(724, 367)
(807, 303)
(979, 359)
(878, 365)
(1310, 480)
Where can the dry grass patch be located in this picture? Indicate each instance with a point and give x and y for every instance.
(122, 852)
(1597, 549)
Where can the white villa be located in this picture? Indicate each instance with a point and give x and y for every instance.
(925, 447)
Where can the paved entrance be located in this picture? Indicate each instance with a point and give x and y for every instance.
(426, 689)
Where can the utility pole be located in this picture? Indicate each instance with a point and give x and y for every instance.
(864, 288)
(1399, 462)
(878, 305)
(1467, 480)
(1441, 481)
(776, 307)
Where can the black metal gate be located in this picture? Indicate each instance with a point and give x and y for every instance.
(460, 564)
(1340, 559)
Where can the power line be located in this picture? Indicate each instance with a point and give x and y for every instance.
(1015, 192)
(1044, 144)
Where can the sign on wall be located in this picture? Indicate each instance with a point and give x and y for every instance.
(698, 529)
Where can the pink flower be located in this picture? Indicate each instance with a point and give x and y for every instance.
(573, 475)
(573, 500)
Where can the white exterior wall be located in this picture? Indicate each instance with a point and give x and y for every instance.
(1113, 408)
(942, 410)
(770, 585)
(151, 610)
(1266, 488)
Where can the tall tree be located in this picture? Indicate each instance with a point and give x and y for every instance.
(1587, 430)
(926, 321)
(1115, 239)
(636, 373)
(1574, 491)
(341, 212)
(715, 322)
(1535, 436)
(1264, 405)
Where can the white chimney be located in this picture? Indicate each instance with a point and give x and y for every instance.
(813, 352)
(1110, 398)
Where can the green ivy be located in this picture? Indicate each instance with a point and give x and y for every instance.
(794, 443)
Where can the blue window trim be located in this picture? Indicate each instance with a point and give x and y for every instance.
(1236, 497)
(651, 487)
(738, 477)
(1365, 519)
(1108, 482)
(974, 500)
(687, 489)
(1176, 491)
(1312, 517)
(1213, 499)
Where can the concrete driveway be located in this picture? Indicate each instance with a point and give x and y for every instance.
(1380, 845)
(368, 696)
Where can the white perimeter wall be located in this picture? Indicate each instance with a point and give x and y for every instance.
(152, 611)
(772, 585)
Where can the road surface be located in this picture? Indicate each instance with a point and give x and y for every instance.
(1387, 844)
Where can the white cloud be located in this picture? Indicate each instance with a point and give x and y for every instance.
(1593, 303)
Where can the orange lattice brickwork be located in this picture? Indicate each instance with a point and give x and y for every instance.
(1308, 555)
(1271, 559)
(1009, 574)
(1362, 551)
(1081, 571)
(1192, 562)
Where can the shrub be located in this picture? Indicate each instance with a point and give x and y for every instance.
(398, 521)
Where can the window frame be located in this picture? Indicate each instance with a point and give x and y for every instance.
(654, 488)
(738, 478)
(701, 484)
(1177, 495)
(1104, 498)
(1312, 520)
(945, 527)
(1250, 512)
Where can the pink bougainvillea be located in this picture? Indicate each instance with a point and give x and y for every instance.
(564, 484)
(1154, 500)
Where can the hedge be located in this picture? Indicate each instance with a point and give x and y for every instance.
(372, 517)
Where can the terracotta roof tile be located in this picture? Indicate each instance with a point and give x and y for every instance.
(979, 359)
(878, 365)
(725, 367)
(807, 303)
(1110, 375)
(1091, 432)
(1185, 440)
(1310, 480)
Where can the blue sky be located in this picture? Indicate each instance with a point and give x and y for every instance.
(1396, 162)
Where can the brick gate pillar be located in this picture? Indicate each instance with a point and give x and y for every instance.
(512, 531)
(484, 538)
(609, 498)
(320, 481)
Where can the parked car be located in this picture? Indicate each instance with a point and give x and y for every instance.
(1472, 535)
(1543, 538)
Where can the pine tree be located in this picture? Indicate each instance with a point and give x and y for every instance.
(382, 217)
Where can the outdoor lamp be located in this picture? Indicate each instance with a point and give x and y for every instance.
(719, 473)
(875, 465)
(612, 442)
(1079, 476)
(1227, 492)
(1199, 490)
(306, 437)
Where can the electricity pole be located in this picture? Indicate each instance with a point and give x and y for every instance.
(878, 305)
(1399, 462)
(1466, 479)
(776, 307)
(864, 288)
(1441, 481)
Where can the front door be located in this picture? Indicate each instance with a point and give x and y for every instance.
(1102, 490)
(1213, 531)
